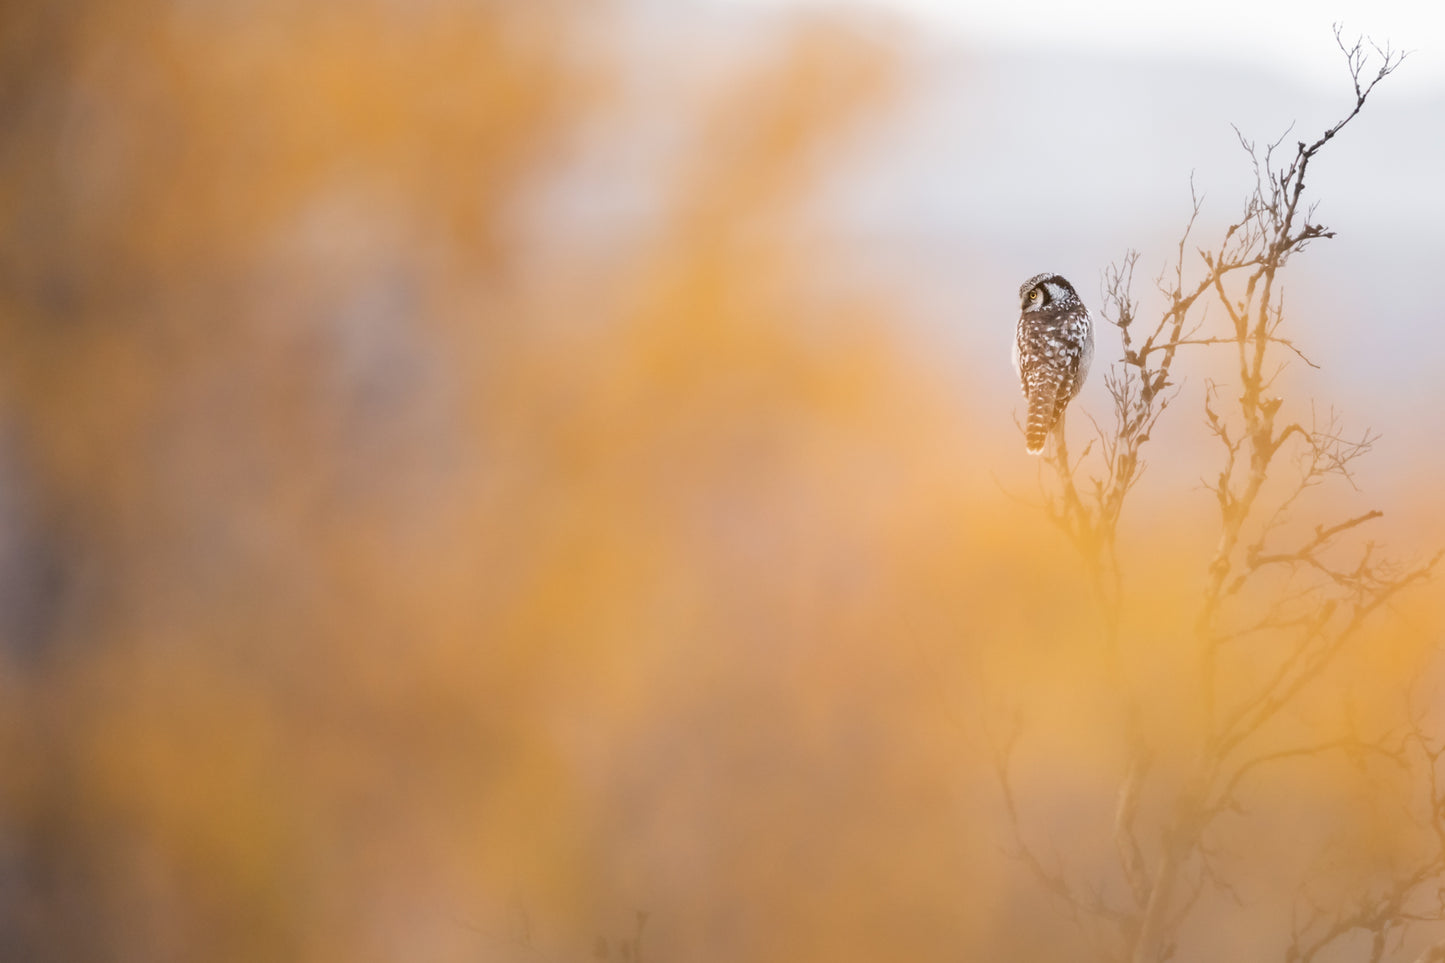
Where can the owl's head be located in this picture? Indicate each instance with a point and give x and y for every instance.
(1044, 291)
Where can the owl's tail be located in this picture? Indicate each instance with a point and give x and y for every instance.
(1044, 411)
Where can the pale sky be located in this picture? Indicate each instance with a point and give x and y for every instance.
(1292, 34)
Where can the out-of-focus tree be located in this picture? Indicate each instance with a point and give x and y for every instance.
(392, 586)
(1275, 682)
(234, 244)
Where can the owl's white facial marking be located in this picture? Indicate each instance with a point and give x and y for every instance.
(1046, 291)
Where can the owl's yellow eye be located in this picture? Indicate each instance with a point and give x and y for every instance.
(1033, 295)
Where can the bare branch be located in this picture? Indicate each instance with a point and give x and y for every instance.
(1291, 596)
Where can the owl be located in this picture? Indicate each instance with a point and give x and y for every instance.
(1052, 352)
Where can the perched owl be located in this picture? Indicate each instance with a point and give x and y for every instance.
(1052, 352)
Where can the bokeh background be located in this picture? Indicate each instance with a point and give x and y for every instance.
(539, 481)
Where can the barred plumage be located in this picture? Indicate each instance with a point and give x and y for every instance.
(1052, 352)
